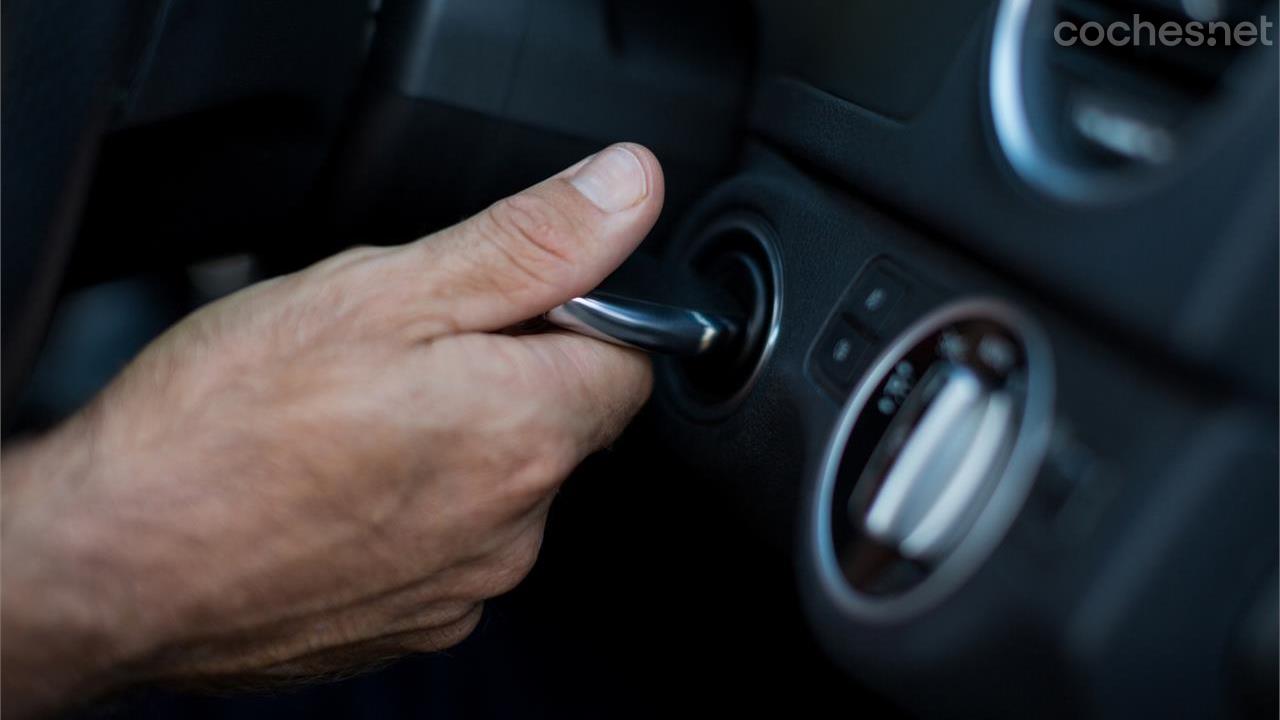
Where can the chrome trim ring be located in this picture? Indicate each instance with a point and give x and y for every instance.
(1016, 136)
(994, 520)
(764, 237)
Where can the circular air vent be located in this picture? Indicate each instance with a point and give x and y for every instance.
(1092, 99)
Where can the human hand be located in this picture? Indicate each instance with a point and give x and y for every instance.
(328, 468)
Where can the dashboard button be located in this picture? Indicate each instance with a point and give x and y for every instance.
(874, 297)
(841, 351)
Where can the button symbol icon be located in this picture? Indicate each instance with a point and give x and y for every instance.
(997, 353)
(897, 387)
(842, 350)
(953, 346)
(875, 299)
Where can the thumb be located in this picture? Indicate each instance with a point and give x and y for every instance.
(532, 251)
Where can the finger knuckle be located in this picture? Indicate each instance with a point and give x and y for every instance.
(510, 566)
(525, 479)
(535, 235)
(353, 290)
(539, 462)
(558, 456)
(445, 636)
(347, 259)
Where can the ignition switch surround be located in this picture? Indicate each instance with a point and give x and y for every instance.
(736, 255)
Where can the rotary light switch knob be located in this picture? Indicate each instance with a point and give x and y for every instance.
(955, 429)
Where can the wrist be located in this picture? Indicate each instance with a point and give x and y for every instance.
(66, 620)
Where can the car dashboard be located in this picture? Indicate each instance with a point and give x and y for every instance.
(1005, 442)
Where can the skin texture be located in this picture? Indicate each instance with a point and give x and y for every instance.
(326, 469)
